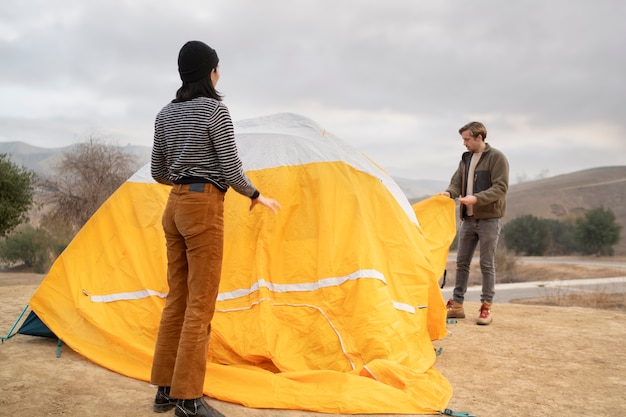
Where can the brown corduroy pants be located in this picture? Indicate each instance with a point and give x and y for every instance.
(193, 222)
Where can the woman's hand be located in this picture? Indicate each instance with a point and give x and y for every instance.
(270, 203)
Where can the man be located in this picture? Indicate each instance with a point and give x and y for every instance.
(480, 183)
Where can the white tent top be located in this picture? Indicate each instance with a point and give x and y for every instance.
(296, 141)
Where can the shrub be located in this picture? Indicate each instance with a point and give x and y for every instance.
(527, 235)
(16, 194)
(563, 237)
(597, 232)
(28, 245)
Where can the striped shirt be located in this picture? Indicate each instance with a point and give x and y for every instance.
(196, 139)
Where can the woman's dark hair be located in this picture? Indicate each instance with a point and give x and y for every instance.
(201, 88)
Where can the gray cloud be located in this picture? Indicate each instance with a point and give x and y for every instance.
(395, 79)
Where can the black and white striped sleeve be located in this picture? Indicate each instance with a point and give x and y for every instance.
(222, 135)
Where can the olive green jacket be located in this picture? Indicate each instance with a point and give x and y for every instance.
(491, 182)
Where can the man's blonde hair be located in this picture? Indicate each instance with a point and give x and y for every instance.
(475, 128)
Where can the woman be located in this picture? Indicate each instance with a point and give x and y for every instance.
(195, 152)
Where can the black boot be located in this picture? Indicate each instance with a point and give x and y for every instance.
(195, 408)
(163, 402)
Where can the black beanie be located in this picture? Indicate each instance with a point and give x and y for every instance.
(196, 60)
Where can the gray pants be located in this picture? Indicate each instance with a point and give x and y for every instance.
(473, 232)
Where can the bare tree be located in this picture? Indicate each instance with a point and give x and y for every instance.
(86, 177)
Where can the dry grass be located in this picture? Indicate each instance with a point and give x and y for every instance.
(515, 271)
(595, 299)
(533, 361)
(542, 361)
(557, 272)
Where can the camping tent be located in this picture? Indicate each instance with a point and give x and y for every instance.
(331, 305)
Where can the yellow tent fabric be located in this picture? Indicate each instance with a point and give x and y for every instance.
(330, 305)
(437, 217)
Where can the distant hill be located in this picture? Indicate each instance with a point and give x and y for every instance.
(416, 190)
(550, 198)
(43, 160)
(571, 195)
(40, 160)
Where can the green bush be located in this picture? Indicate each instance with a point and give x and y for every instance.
(527, 235)
(29, 246)
(563, 237)
(597, 232)
(593, 234)
(16, 194)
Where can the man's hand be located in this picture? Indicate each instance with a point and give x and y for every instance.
(468, 200)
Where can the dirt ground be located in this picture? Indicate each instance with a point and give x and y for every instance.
(532, 361)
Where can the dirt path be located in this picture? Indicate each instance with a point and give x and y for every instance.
(532, 361)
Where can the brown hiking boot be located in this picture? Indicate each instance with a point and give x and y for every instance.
(455, 310)
(485, 314)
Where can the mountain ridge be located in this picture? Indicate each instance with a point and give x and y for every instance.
(42, 161)
(557, 197)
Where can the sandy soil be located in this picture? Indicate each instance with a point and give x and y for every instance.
(532, 361)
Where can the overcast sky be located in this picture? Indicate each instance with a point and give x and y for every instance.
(394, 78)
